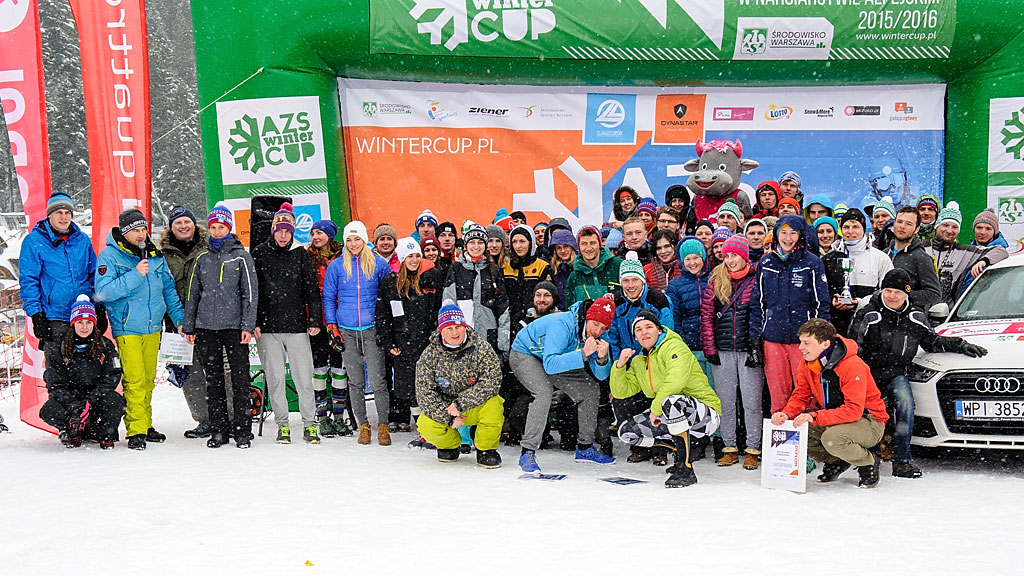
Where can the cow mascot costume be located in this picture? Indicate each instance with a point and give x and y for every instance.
(716, 177)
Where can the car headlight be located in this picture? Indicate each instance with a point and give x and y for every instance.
(919, 373)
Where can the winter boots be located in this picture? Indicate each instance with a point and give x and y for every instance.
(659, 452)
(700, 448)
(638, 454)
(216, 440)
(447, 454)
(69, 440)
(488, 459)
(383, 435)
(905, 470)
(136, 442)
(730, 456)
(155, 437)
(682, 474)
(201, 431)
(751, 458)
(869, 474)
(364, 434)
(831, 470)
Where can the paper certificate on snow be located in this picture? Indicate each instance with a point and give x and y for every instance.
(784, 457)
(467, 310)
(174, 349)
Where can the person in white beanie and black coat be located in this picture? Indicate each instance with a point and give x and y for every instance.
(958, 264)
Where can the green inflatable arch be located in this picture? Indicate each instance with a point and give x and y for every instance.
(249, 50)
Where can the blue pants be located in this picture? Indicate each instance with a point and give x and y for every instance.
(902, 404)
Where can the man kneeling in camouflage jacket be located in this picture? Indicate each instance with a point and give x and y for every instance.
(457, 381)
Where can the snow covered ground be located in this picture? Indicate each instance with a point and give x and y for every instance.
(180, 508)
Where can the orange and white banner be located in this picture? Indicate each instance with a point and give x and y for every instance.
(115, 77)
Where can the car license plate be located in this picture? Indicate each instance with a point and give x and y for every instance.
(990, 409)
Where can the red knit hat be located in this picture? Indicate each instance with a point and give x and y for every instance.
(737, 245)
(602, 311)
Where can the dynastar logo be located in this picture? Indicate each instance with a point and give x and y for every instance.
(776, 112)
(679, 110)
(12, 13)
(491, 19)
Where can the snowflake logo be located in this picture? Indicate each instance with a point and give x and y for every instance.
(246, 148)
(1014, 139)
(453, 11)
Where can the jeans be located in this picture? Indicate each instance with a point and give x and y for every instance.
(903, 415)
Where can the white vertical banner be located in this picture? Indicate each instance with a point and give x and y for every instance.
(1006, 168)
(784, 456)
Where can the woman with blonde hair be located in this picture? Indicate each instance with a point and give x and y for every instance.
(350, 300)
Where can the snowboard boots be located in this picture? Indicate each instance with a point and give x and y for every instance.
(682, 471)
(831, 470)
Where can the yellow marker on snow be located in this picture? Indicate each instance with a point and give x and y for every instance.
(308, 563)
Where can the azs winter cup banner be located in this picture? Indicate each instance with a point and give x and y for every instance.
(464, 151)
(1006, 168)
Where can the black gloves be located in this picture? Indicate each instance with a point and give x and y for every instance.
(79, 417)
(972, 350)
(755, 358)
(41, 327)
(713, 359)
(102, 323)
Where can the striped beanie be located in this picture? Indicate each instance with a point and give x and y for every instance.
(590, 227)
(988, 216)
(83, 310)
(839, 210)
(951, 213)
(720, 235)
(426, 216)
(928, 200)
(450, 315)
(631, 266)
(730, 207)
(790, 175)
(648, 205)
(222, 214)
(474, 232)
(59, 201)
(885, 205)
(503, 220)
(737, 245)
(284, 219)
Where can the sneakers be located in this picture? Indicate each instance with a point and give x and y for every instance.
(905, 470)
(216, 440)
(447, 454)
(638, 454)
(327, 428)
(203, 430)
(155, 437)
(364, 434)
(831, 470)
(488, 459)
(284, 435)
(341, 428)
(137, 442)
(730, 456)
(592, 455)
(750, 460)
(528, 462)
(310, 436)
(383, 435)
(869, 476)
(420, 443)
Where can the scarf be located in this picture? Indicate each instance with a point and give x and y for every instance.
(216, 242)
(663, 272)
(739, 274)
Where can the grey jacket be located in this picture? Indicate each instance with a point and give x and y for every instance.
(953, 263)
(222, 289)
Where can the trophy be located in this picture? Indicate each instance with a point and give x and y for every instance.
(845, 297)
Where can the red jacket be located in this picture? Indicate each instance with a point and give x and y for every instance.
(843, 386)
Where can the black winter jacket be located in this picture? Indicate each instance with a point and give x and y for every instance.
(71, 384)
(888, 339)
(289, 295)
(410, 330)
(924, 282)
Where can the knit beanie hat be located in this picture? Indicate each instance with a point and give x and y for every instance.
(988, 216)
(826, 220)
(951, 213)
(720, 235)
(517, 215)
(220, 213)
(839, 210)
(928, 200)
(450, 315)
(737, 245)
(181, 212)
(648, 205)
(677, 191)
(447, 227)
(385, 230)
(502, 220)
(475, 232)
(426, 216)
(496, 232)
(897, 278)
(590, 227)
(755, 222)
(59, 201)
(130, 220)
(466, 225)
(602, 311)
(730, 207)
(327, 227)
(692, 245)
(790, 175)
(854, 214)
(407, 246)
(83, 310)
(885, 205)
(545, 285)
(429, 241)
(645, 314)
(284, 219)
(790, 201)
(357, 229)
(614, 238)
(631, 266)
(563, 237)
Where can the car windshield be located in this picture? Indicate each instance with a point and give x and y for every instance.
(997, 295)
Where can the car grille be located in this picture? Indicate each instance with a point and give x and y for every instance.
(960, 386)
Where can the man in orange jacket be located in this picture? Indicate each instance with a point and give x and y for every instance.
(852, 415)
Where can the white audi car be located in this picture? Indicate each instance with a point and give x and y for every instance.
(977, 402)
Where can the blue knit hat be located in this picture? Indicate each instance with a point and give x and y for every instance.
(826, 220)
(426, 216)
(327, 227)
(181, 212)
(222, 214)
(59, 201)
(691, 245)
(720, 235)
(790, 175)
(563, 237)
(450, 315)
(83, 310)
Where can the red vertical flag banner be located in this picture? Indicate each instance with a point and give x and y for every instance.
(24, 108)
(115, 78)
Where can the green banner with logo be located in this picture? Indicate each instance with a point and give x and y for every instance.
(666, 29)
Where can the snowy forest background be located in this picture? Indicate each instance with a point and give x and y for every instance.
(177, 159)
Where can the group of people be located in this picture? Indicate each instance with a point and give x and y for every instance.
(660, 328)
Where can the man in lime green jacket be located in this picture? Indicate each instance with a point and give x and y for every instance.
(683, 404)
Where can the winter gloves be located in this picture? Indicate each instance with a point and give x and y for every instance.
(713, 359)
(972, 350)
(102, 323)
(41, 327)
(79, 417)
(755, 358)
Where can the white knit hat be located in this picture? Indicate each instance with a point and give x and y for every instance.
(407, 246)
(356, 228)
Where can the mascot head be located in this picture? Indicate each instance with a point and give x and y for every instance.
(716, 171)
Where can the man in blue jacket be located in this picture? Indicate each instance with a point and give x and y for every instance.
(56, 264)
(790, 288)
(133, 279)
(554, 351)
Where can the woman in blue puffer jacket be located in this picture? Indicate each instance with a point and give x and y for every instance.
(350, 299)
(686, 293)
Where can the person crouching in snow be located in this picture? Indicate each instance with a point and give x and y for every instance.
(457, 380)
(852, 416)
(81, 376)
(683, 407)
(554, 351)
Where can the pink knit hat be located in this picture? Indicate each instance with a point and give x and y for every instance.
(737, 245)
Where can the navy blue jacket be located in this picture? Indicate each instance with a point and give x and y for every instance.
(789, 292)
(686, 293)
